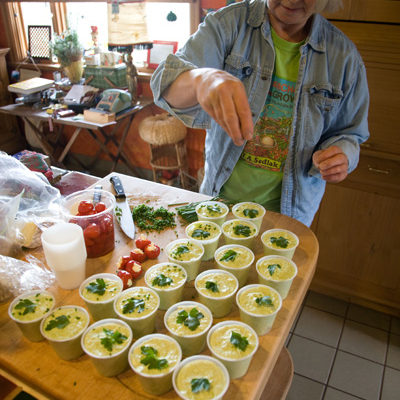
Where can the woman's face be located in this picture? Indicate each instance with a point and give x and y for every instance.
(294, 12)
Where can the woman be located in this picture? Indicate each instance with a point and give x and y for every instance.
(283, 95)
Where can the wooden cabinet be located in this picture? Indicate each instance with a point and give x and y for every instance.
(358, 223)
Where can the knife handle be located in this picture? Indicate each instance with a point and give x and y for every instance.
(119, 189)
(97, 194)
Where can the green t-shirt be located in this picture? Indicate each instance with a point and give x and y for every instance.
(257, 175)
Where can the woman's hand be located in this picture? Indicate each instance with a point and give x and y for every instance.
(332, 164)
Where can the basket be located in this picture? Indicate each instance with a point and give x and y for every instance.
(106, 77)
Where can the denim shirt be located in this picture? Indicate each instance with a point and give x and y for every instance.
(330, 106)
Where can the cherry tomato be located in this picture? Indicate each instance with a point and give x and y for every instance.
(134, 268)
(92, 231)
(142, 241)
(152, 251)
(123, 261)
(99, 207)
(85, 207)
(138, 255)
(126, 278)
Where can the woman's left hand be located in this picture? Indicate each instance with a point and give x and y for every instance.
(332, 164)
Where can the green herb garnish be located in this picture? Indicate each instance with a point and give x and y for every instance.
(132, 304)
(280, 241)
(229, 255)
(180, 250)
(200, 384)
(97, 287)
(111, 338)
(27, 305)
(272, 268)
(250, 212)
(161, 280)
(212, 286)
(149, 219)
(213, 209)
(242, 230)
(151, 360)
(264, 301)
(239, 341)
(200, 233)
(59, 322)
(191, 320)
(118, 213)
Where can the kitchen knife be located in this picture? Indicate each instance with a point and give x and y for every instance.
(122, 210)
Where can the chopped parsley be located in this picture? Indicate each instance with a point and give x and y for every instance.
(200, 233)
(239, 341)
(280, 241)
(242, 230)
(213, 209)
(27, 305)
(118, 213)
(161, 280)
(191, 320)
(264, 301)
(112, 338)
(229, 255)
(59, 322)
(200, 384)
(97, 287)
(180, 250)
(272, 268)
(149, 219)
(132, 304)
(212, 286)
(250, 212)
(151, 360)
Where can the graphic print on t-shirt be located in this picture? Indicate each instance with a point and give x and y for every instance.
(269, 147)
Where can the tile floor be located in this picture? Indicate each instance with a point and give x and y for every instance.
(343, 351)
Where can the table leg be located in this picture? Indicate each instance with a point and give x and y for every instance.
(69, 144)
(121, 143)
(48, 149)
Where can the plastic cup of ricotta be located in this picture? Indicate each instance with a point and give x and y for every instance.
(280, 242)
(236, 361)
(28, 310)
(155, 381)
(66, 341)
(249, 211)
(212, 211)
(239, 231)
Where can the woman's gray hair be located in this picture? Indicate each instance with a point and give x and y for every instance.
(330, 6)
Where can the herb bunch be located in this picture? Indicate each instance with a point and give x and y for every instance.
(149, 219)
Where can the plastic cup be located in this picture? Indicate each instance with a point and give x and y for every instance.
(28, 316)
(240, 266)
(236, 361)
(155, 381)
(195, 230)
(66, 341)
(191, 342)
(249, 211)
(229, 228)
(141, 322)
(281, 237)
(201, 367)
(219, 302)
(98, 228)
(277, 272)
(249, 314)
(169, 293)
(101, 306)
(107, 363)
(212, 211)
(65, 252)
(189, 258)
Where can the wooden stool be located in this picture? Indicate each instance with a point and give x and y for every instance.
(166, 137)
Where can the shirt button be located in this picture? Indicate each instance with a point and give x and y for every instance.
(264, 78)
(247, 71)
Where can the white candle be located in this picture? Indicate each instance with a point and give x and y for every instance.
(65, 252)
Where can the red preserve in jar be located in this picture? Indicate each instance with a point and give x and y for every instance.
(95, 218)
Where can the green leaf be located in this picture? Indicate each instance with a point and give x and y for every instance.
(280, 241)
(181, 250)
(191, 320)
(250, 212)
(272, 268)
(111, 338)
(199, 384)
(97, 287)
(200, 233)
(59, 322)
(229, 255)
(213, 209)
(27, 305)
(212, 286)
(264, 301)
(132, 304)
(151, 360)
(239, 341)
(161, 280)
(242, 230)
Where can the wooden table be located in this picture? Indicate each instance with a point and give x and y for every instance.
(37, 368)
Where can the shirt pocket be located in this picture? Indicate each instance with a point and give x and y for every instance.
(325, 96)
(238, 66)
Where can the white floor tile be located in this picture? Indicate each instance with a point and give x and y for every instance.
(305, 389)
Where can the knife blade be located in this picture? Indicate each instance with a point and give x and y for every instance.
(122, 210)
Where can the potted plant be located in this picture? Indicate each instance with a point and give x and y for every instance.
(68, 50)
